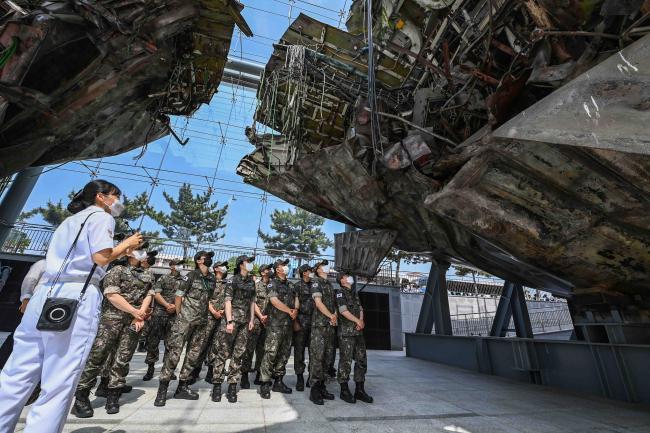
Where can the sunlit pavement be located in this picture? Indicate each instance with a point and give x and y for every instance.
(410, 396)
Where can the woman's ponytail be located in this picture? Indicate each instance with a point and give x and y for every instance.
(86, 196)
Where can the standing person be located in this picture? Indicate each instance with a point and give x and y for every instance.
(128, 290)
(302, 324)
(323, 331)
(352, 344)
(204, 339)
(255, 344)
(192, 305)
(232, 338)
(277, 347)
(80, 249)
(163, 317)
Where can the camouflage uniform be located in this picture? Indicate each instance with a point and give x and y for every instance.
(161, 321)
(301, 337)
(256, 337)
(240, 292)
(322, 332)
(115, 337)
(277, 347)
(196, 290)
(352, 345)
(206, 337)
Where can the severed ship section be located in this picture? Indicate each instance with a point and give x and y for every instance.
(510, 135)
(91, 78)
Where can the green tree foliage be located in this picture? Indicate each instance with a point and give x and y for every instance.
(193, 219)
(298, 231)
(54, 213)
(397, 256)
(462, 271)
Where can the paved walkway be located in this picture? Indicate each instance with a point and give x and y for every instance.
(411, 396)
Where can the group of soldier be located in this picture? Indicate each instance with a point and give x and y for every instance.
(214, 319)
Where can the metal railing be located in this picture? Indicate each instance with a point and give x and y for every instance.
(26, 238)
(480, 324)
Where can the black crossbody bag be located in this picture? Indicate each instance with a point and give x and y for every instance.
(58, 313)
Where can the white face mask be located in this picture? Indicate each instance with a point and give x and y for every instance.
(311, 275)
(326, 268)
(249, 267)
(285, 269)
(350, 280)
(116, 208)
(139, 254)
(222, 269)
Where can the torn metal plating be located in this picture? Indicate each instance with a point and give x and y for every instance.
(488, 154)
(91, 78)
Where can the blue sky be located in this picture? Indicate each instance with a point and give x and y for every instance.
(217, 140)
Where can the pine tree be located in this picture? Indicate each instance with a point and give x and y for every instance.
(193, 219)
(397, 256)
(298, 231)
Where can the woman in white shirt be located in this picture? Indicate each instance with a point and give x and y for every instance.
(57, 358)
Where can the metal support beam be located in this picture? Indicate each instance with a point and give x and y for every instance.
(512, 305)
(15, 198)
(435, 305)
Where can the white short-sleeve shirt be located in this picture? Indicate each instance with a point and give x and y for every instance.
(96, 235)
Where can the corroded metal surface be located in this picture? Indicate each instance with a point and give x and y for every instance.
(539, 200)
(97, 78)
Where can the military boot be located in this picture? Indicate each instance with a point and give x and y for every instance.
(257, 380)
(113, 401)
(300, 383)
(216, 392)
(102, 388)
(323, 391)
(184, 392)
(209, 374)
(231, 395)
(265, 390)
(315, 396)
(245, 384)
(82, 407)
(150, 371)
(126, 389)
(360, 393)
(161, 397)
(346, 395)
(279, 386)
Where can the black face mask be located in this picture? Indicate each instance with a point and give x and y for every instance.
(207, 262)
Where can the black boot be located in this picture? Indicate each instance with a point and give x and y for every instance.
(216, 392)
(279, 386)
(257, 380)
(346, 395)
(184, 392)
(245, 384)
(126, 389)
(194, 375)
(265, 390)
(82, 407)
(315, 395)
(102, 388)
(323, 391)
(161, 397)
(231, 395)
(360, 393)
(209, 374)
(150, 371)
(300, 383)
(113, 401)
(307, 384)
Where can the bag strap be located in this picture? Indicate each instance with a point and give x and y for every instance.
(67, 256)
